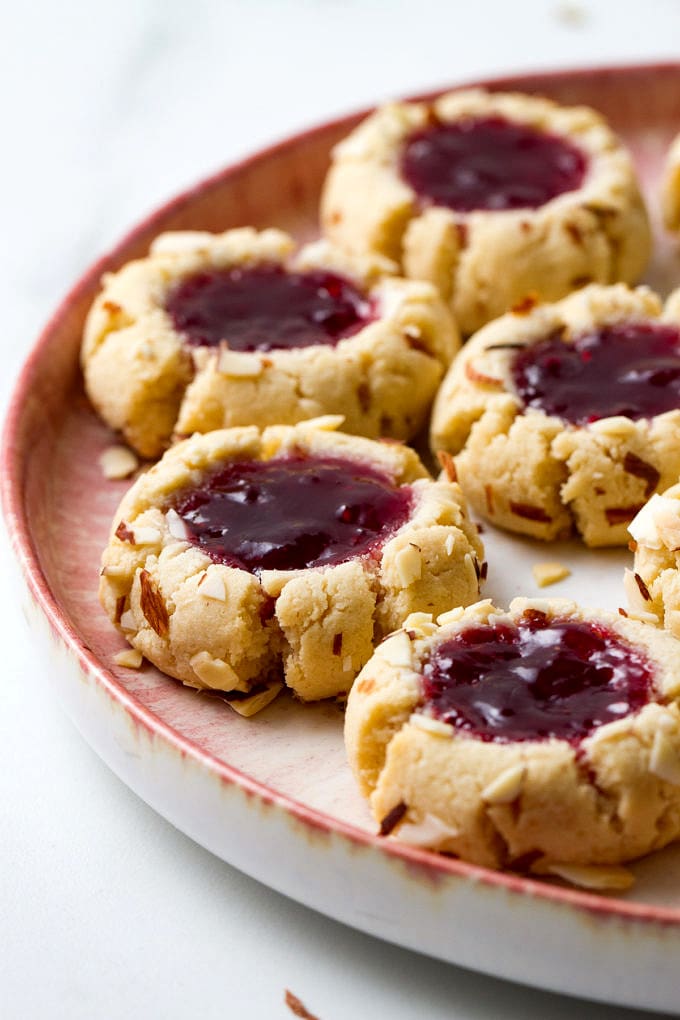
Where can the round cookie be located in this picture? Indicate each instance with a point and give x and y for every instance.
(543, 738)
(490, 196)
(247, 557)
(567, 415)
(653, 585)
(670, 187)
(220, 330)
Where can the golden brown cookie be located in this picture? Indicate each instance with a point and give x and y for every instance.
(543, 738)
(490, 196)
(219, 330)
(567, 415)
(244, 558)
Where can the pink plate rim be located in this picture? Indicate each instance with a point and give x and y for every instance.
(606, 907)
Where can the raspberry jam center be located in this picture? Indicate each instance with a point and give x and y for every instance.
(267, 308)
(630, 369)
(292, 513)
(490, 163)
(538, 679)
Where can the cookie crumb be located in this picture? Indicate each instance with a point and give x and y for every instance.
(117, 462)
(571, 14)
(130, 658)
(549, 573)
(297, 1007)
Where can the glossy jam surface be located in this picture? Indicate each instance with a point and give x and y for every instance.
(267, 308)
(292, 513)
(541, 678)
(489, 163)
(630, 369)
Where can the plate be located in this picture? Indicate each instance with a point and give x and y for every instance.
(273, 795)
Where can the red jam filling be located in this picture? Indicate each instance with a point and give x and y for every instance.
(489, 163)
(534, 680)
(630, 369)
(292, 513)
(267, 308)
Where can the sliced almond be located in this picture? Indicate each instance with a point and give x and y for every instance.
(216, 673)
(450, 616)
(130, 658)
(409, 564)
(146, 536)
(153, 604)
(118, 462)
(212, 586)
(127, 621)
(616, 426)
(420, 624)
(176, 525)
(549, 572)
(431, 833)
(664, 759)
(239, 364)
(249, 706)
(506, 787)
(397, 650)
(592, 876)
(434, 726)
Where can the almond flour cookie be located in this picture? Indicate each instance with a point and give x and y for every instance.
(247, 557)
(567, 415)
(491, 197)
(218, 330)
(653, 586)
(543, 738)
(670, 187)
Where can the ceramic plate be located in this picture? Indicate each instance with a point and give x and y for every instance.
(273, 795)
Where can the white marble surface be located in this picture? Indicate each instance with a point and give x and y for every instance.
(105, 910)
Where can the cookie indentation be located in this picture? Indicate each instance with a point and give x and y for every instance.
(490, 163)
(292, 513)
(266, 308)
(631, 369)
(537, 679)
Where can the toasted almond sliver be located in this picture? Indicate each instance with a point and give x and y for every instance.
(592, 876)
(118, 462)
(549, 573)
(131, 658)
(506, 787)
(249, 706)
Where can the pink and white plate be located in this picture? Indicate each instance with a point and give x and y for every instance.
(273, 795)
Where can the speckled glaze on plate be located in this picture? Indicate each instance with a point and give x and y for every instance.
(273, 795)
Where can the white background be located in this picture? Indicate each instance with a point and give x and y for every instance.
(107, 110)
